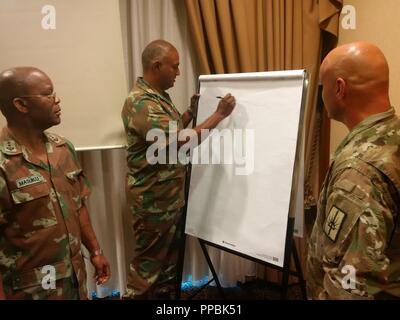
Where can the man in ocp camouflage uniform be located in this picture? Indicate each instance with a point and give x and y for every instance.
(43, 216)
(155, 191)
(354, 249)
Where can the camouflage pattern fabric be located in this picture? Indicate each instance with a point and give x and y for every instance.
(39, 220)
(157, 241)
(357, 226)
(155, 192)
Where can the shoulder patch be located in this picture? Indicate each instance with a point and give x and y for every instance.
(55, 138)
(11, 147)
(334, 222)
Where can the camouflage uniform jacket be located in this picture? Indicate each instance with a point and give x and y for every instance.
(152, 187)
(39, 217)
(357, 230)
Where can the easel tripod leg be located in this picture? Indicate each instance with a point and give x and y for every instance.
(210, 265)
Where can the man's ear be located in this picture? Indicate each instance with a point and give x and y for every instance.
(157, 66)
(340, 88)
(20, 105)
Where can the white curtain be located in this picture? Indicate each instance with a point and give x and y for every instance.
(143, 21)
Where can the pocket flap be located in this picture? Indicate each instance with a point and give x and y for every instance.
(73, 175)
(30, 193)
(34, 277)
(351, 187)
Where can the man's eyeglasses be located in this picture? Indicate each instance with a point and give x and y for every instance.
(52, 96)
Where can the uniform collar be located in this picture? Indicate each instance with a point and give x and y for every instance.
(10, 146)
(164, 96)
(54, 139)
(362, 126)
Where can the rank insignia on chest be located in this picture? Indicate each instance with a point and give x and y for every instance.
(333, 223)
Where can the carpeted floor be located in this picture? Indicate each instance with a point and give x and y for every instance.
(254, 290)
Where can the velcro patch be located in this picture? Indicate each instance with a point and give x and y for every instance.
(27, 181)
(334, 222)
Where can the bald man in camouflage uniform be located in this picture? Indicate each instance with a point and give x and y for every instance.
(156, 191)
(354, 250)
(43, 217)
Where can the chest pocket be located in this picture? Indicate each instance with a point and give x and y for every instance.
(33, 208)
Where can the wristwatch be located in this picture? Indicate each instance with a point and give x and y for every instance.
(95, 253)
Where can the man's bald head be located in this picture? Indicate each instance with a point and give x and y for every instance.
(355, 78)
(155, 51)
(16, 82)
(361, 64)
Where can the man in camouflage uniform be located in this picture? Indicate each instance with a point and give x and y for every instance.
(156, 191)
(354, 249)
(43, 217)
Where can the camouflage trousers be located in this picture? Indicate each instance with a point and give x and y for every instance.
(153, 269)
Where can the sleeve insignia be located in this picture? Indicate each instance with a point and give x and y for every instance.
(333, 223)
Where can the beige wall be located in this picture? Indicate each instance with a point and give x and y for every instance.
(84, 57)
(377, 22)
